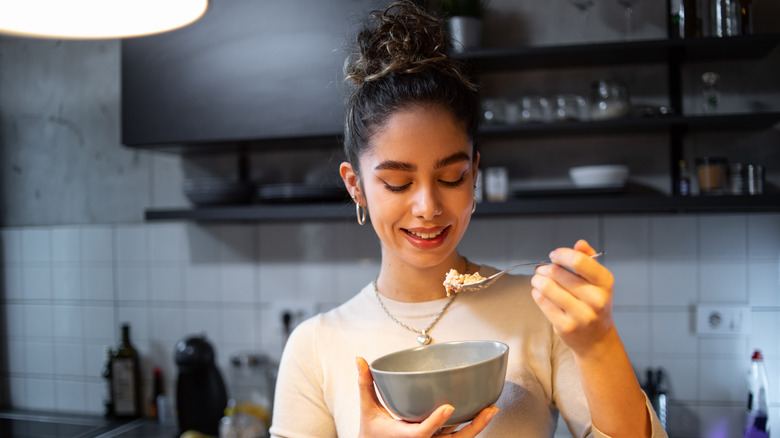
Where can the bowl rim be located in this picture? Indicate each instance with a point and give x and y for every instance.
(504, 350)
(599, 167)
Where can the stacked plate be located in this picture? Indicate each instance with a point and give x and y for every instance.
(301, 193)
(215, 191)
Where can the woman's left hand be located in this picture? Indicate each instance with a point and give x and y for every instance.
(577, 301)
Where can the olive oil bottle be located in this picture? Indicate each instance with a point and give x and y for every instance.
(126, 378)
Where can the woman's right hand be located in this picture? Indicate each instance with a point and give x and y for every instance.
(375, 421)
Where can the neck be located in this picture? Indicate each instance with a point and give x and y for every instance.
(401, 281)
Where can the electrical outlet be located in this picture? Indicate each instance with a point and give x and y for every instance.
(722, 319)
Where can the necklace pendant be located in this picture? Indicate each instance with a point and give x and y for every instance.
(424, 339)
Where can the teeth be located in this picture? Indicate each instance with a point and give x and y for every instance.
(425, 235)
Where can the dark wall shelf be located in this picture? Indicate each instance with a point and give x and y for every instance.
(600, 204)
(671, 53)
(621, 53)
(637, 124)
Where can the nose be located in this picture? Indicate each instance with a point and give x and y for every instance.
(426, 204)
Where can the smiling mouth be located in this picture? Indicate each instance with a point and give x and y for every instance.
(426, 236)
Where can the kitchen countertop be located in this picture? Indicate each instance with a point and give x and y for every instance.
(26, 424)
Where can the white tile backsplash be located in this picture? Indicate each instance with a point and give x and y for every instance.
(627, 237)
(97, 244)
(66, 281)
(201, 282)
(11, 241)
(237, 283)
(67, 296)
(723, 237)
(132, 282)
(68, 322)
(39, 394)
(723, 282)
(39, 358)
(65, 244)
(632, 284)
(131, 243)
(673, 282)
(38, 321)
(165, 282)
(70, 396)
(36, 245)
(714, 388)
(763, 281)
(36, 281)
(673, 237)
(763, 231)
(69, 359)
(97, 281)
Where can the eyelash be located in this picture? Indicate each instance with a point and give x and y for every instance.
(446, 183)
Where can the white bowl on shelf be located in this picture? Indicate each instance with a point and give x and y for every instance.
(604, 175)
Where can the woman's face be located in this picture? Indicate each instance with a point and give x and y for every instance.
(417, 179)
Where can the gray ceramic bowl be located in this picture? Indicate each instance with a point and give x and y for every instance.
(469, 375)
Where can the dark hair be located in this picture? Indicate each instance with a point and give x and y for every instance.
(401, 60)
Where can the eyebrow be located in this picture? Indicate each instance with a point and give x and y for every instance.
(408, 167)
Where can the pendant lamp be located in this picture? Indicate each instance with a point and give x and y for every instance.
(95, 19)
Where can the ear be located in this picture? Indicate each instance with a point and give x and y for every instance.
(351, 180)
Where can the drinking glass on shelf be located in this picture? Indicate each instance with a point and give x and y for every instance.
(583, 6)
(629, 8)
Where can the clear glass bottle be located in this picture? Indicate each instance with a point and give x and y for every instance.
(710, 94)
(757, 409)
(727, 18)
(126, 378)
(108, 401)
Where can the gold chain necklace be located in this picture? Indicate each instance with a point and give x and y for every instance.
(423, 338)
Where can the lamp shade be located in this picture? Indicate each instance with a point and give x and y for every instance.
(94, 19)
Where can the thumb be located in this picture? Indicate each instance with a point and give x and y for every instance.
(368, 397)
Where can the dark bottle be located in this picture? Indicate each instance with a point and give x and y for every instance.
(746, 9)
(126, 378)
(108, 401)
(684, 186)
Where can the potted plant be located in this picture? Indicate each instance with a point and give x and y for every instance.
(464, 18)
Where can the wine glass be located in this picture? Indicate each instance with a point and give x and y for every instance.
(629, 8)
(583, 6)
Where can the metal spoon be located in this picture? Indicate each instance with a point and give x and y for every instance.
(489, 280)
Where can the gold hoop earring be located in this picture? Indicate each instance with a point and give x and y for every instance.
(474, 208)
(361, 214)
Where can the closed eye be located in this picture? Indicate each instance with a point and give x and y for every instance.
(397, 188)
(460, 181)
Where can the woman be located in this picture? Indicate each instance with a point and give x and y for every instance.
(412, 166)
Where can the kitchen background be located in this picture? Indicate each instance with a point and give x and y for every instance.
(78, 259)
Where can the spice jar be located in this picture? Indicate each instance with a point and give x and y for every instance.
(755, 179)
(736, 179)
(712, 175)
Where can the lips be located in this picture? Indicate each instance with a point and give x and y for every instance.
(426, 237)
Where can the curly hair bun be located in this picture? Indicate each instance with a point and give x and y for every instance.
(402, 39)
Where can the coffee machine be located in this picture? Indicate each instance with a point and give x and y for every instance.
(201, 396)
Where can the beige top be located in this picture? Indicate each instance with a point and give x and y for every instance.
(317, 389)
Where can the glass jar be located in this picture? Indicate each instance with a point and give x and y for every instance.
(710, 95)
(252, 378)
(569, 107)
(712, 175)
(609, 100)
